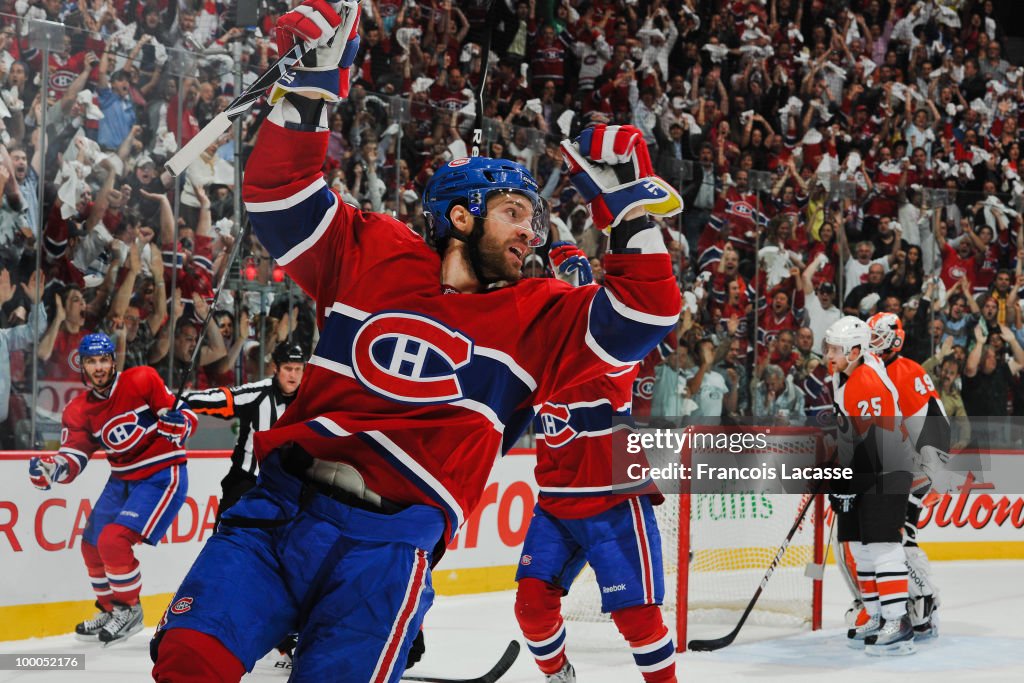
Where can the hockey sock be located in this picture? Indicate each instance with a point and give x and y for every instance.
(866, 576)
(650, 641)
(891, 575)
(119, 563)
(187, 656)
(97, 576)
(538, 610)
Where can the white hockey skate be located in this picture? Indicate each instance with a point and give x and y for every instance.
(855, 636)
(564, 675)
(126, 621)
(89, 630)
(896, 637)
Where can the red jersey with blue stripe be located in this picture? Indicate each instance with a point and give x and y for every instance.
(643, 382)
(124, 425)
(577, 432)
(415, 388)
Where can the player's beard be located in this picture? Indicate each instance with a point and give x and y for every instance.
(489, 259)
(100, 389)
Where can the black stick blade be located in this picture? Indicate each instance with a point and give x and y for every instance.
(504, 663)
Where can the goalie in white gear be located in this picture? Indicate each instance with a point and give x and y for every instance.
(871, 507)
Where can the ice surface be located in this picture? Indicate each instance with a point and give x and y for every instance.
(982, 639)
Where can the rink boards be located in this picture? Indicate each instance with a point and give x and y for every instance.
(45, 589)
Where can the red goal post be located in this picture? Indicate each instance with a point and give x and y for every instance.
(715, 562)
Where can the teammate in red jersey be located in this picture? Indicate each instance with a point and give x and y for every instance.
(425, 364)
(135, 419)
(584, 514)
(871, 508)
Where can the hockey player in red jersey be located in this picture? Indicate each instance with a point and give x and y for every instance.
(870, 508)
(425, 363)
(580, 518)
(135, 419)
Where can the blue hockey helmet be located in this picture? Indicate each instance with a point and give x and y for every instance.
(473, 180)
(97, 344)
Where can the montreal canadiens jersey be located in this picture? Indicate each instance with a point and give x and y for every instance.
(872, 436)
(124, 425)
(920, 404)
(643, 383)
(577, 434)
(417, 389)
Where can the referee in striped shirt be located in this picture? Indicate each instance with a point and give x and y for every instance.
(257, 406)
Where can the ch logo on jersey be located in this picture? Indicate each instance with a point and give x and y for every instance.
(409, 357)
(75, 361)
(122, 432)
(181, 606)
(554, 419)
(62, 79)
(644, 387)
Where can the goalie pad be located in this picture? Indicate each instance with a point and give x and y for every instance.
(920, 573)
(847, 565)
(933, 462)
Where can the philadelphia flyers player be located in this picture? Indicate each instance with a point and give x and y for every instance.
(871, 508)
(427, 359)
(929, 431)
(135, 419)
(579, 519)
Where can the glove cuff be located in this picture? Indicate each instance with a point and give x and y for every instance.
(297, 112)
(623, 234)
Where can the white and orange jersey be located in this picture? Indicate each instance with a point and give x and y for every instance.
(919, 403)
(867, 397)
(868, 417)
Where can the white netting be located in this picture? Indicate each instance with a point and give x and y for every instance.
(733, 538)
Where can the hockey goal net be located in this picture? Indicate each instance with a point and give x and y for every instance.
(716, 548)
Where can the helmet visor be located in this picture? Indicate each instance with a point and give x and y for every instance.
(526, 210)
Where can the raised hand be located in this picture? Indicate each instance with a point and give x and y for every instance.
(611, 168)
(323, 71)
(34, 291)
(6, 290)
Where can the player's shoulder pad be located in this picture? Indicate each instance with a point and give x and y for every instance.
(141, 375)
(369, 225)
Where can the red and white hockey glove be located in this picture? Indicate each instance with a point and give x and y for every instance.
(611, 167)
(570, 264)
(45, 470)
(174, 426)
(331, 33)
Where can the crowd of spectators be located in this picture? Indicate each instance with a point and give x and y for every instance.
(835, 156)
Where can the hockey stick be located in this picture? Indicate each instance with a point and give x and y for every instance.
(478, 130)
(718, 643)
(497, 671)
(213, 304)
(241, 104)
